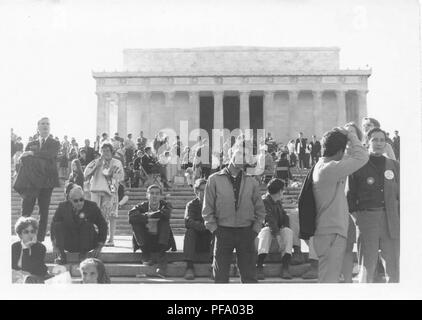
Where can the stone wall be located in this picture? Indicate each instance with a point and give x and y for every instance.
(226, 60)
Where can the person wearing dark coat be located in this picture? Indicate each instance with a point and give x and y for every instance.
(315, 149)
(90, 152)
(148, 162)
(197, 237)
(28, 254)
(152, 233)
(74, 225)
(374, 199)
(38, 175)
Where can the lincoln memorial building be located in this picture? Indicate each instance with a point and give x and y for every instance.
(283, 90)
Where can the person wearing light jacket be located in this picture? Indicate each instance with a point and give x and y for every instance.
(104, 175)
(234, 212)
(332, 216)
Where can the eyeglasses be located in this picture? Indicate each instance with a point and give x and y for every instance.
(78, 200)
(29, 231)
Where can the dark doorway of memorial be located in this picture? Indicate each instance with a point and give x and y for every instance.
(231, 114)
(206, 118)
(256, 116)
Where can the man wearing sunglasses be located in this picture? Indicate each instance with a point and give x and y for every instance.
(74, 225)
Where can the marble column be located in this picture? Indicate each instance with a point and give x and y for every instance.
(268, 112)
(101, 113)
(317, 113)
(194, 110)
(108, 102)
(293, 95)
(122, 115)
(362, 107)
(341, 109)
(218, 109)
(146, 114)
(244, 110)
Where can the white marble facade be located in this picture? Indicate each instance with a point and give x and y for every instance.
(302, 89)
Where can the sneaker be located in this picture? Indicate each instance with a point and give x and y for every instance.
(260, 273)
(189, 275)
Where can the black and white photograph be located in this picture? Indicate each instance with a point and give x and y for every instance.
(212, 149)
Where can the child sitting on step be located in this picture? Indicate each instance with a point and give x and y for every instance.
(93, 271)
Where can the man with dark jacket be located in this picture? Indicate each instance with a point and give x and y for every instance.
(315, 149)
(74, 225)
(150, 221)
(197, 237)
(89, 151)
(149, 163)
(300, 147)
(277, 227)
(233, 210)
(38, 175)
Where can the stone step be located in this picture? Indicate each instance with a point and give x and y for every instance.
(172, 256)
(197, 280)
(177, 269)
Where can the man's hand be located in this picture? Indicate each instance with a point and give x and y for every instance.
(97, 250)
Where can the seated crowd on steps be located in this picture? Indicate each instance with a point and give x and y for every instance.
(228, 212)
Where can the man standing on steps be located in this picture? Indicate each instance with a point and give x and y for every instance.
(38, 176)
(332, 211)
(152, 233)
(233, 211)
(315, 150)
(197, 237)
(301, 150)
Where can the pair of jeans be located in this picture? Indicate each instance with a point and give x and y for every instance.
(226, 240)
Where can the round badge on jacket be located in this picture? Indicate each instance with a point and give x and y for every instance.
(82, 215)
(389, 174)
(370, 180)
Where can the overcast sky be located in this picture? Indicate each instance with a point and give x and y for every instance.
(51, 47)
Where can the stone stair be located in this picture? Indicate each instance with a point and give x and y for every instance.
(124, 266)
(178, 196)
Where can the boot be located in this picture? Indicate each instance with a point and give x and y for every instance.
(312, 273)
(285, 263)
(297, 257)
(189, 274)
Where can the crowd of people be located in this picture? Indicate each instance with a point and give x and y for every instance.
(353, 185)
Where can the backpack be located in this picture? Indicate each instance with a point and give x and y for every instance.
(307, 208)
